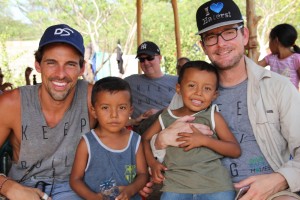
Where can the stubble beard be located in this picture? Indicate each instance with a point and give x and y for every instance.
(230, 64)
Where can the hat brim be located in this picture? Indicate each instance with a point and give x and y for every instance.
(219, 25)
(150, 53)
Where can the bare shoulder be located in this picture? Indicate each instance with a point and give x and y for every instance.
(218, 116)
(10, 112)
(10, 103)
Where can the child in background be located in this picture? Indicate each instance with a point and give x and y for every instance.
(109, 161)
(285, 54)
(195, 172)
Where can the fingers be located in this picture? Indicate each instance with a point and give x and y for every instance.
(44, 197)
(186, 118)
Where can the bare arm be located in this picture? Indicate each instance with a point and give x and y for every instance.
(10, 125)
(262, 62)
(126, 192)
(77, 173)
(154, 165)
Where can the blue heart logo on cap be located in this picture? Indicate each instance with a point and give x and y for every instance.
(216, 7)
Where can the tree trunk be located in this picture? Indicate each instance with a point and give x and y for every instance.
(139, 25)
(252, 21)
(177, 28)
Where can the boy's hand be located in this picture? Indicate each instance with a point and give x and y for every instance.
(157, 170)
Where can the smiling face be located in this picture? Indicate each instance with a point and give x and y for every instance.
(151, 68)
(227, 54)
(198, 89)
(59, 70)
(112, 110)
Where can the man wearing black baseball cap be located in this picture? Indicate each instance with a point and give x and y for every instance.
(261, 108)
(153, 90)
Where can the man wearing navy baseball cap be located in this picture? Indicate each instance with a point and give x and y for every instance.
(261, 108)
(45, 122)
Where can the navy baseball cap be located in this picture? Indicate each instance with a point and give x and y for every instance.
(148, 48)
(62, 33)
(217, 13)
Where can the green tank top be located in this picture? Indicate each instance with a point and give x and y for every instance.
(199, 170)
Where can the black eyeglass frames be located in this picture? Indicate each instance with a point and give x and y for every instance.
(227, 35)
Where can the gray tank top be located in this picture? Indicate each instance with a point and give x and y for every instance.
(45, 148)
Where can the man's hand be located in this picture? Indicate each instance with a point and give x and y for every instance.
(16, 191)
(262, 186)
(145, 115)
(169, 136)
(192, 140)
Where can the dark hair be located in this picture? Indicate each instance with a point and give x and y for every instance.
(200, 65)
(183, 58)
(286, 34)
(110, 84)
(38, 55)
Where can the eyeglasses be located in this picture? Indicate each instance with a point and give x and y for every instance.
(228, 34)
(148, 58)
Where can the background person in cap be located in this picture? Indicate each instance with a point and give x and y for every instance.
(153, 90)
(261, 107)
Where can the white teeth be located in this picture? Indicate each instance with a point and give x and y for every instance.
(197, 102)
(59, 84)
(223, 52)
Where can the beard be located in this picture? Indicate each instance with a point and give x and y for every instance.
(227, 64)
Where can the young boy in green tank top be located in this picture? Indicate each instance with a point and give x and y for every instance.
(195, 171)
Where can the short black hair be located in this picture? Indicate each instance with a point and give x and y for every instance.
(200, 65)
(110, 84)
(38, 55)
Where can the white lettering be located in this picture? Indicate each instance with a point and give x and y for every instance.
(63, 31)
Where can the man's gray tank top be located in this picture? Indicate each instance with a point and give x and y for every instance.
(47, 148)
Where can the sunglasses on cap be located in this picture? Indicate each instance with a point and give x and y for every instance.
(148, 58)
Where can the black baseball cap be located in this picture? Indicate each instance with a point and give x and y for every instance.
(62, 33)
(148, 48)
(217, 13)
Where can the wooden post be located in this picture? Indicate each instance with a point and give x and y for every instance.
(139, 8)
(177, 28)
(252, 21)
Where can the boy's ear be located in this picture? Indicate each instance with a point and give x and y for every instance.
(93, 111)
